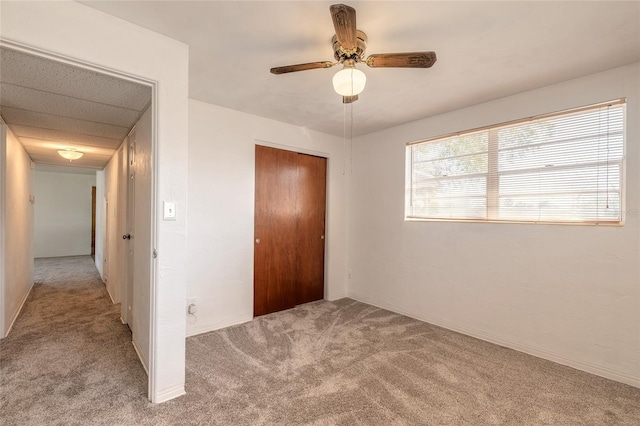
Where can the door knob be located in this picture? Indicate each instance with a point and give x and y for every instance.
(126, 237)
(257, 240)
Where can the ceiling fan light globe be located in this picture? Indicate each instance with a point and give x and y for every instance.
(349, 81)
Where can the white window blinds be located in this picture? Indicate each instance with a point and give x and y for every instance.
(562, 168)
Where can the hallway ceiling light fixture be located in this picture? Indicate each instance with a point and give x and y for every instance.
(70, 153)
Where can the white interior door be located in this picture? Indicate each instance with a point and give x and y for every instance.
(129, 229)
(120, 272)
(140, 229)
(108, 221)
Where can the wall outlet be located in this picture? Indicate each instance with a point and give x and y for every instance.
(191, 306)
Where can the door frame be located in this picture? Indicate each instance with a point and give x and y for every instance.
(151, 384)
(327, 224)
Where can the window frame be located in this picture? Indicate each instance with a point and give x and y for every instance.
(492, 192)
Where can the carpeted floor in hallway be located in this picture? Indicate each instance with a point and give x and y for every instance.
(68, 357)
(69, 361)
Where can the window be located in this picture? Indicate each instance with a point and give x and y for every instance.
(563, 167)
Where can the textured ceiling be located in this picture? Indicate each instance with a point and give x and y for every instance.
(50, 105)
(486, 50)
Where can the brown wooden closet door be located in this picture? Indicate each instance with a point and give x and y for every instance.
(275, 230)
(312, 188)
(289, 234)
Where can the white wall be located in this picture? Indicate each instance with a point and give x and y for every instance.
(63, 213)
(221, 206)
(75, 31)
(567, 293)
(114, 227)
(16, 177)
(116, 250)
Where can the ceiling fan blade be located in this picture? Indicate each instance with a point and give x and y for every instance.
(344, 21)
(349, 99)
(402, 60)
(302, 67)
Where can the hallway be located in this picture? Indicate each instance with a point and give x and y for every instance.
(68, 354)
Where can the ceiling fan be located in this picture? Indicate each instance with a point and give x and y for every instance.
(349, 45)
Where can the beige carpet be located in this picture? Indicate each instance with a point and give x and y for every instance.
(69, 361)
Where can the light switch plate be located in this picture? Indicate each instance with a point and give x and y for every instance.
(169, 208)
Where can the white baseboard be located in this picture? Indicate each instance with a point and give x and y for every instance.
(140, 358)
(109, 293)
(598, 370)
(205, 328)
(167, 394)
(15, 316)
(337, 296)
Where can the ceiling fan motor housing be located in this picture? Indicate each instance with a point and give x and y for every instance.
(341, 54)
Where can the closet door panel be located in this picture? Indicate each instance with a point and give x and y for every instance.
(275, 230)
(311, 198)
